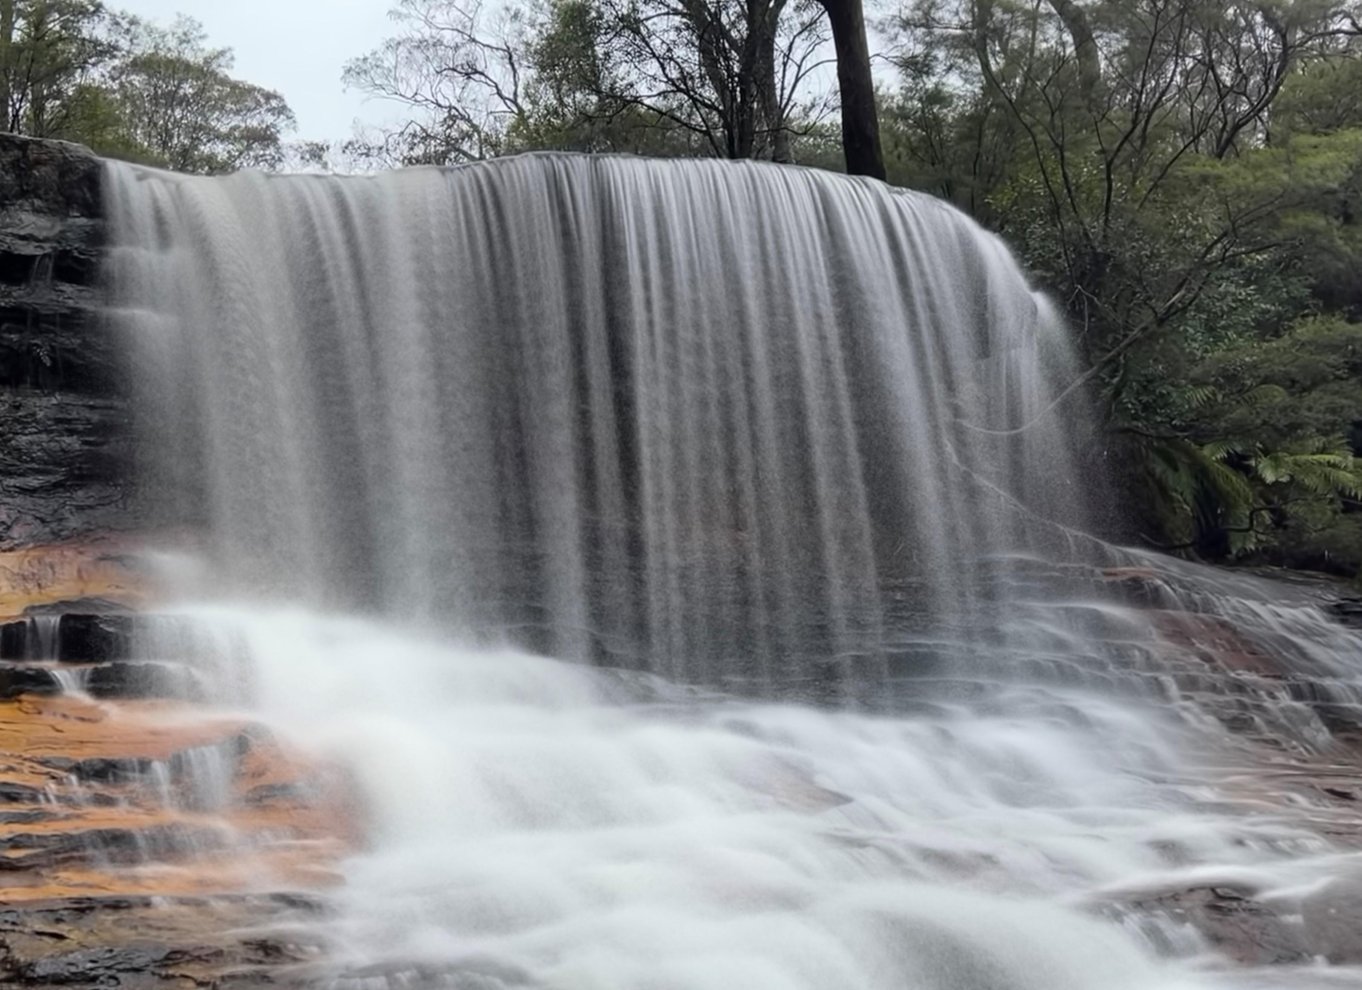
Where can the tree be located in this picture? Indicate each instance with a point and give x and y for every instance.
(8, 18)
(130, 89)
(48, 49)
(856, 85)
(179, 105)
(1118, 116)
(720, 77)
(727, 71)
(459, 73)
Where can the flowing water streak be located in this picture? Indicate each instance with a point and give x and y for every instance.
(43, 637)
(72, 680)
(735, 425)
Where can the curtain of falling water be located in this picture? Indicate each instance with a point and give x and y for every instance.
(734, 423)
(699, 416)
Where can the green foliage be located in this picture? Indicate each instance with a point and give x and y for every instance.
(179, 106)
(49, 49)
(1185, 177)
(129, 89)
(699, 77)
(1282, 417)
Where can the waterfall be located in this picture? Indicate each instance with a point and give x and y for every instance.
(556, 497)
(700, 417)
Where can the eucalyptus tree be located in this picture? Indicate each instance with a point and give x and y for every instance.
(1089, 126)
(732, 78)
(73, 69)
(861, 144)
(49, 50)
(728, 78)
(178, 104)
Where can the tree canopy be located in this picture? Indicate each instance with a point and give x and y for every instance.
(128, 88)
(727, 78)
(1183, 175)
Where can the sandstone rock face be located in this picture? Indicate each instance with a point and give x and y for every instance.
(149, 843)
(106, 573)
(147, 840)
(65, 438)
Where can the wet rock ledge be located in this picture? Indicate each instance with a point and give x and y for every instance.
(146, 839)
(146, 844)
(64, 440)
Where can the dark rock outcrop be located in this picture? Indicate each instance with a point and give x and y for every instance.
(141, 943)
(1232, 922)
(79, 636)
(94, 638)
(18, 681)
(64, 443)
(143, 679)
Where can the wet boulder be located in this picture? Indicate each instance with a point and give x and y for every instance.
(17, 680)
(1232, 921)
(1333, 920)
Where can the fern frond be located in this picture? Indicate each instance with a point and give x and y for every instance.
(1262, 395)
(1200, 396)
(1219, 450)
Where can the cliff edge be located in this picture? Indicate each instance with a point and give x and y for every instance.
(64, 420)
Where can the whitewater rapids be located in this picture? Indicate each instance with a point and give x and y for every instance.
(535, 823)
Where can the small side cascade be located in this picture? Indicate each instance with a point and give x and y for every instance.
(102, 655)
(199, 778)
(72, 680)
(42, 642)
(70, 636)
(119, 778)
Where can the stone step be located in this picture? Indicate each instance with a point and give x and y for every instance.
(86, 638)
(31, 847)
(125, 679)
(229, 942)
(16, 681)
(83, 637)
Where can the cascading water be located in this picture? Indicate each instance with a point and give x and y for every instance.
(43, 637)
(691, 416)
(724, 431)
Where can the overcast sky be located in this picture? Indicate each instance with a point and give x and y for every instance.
(294, 46)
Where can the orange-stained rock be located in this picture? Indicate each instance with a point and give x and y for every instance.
(98, 797)
(115, 871)
(104, 568)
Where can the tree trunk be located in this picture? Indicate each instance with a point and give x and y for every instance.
(1075, 21)
(763, 18)
(6, 63)
(860, 124)
(732, 92)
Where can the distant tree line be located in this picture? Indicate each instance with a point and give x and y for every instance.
(129, 89)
